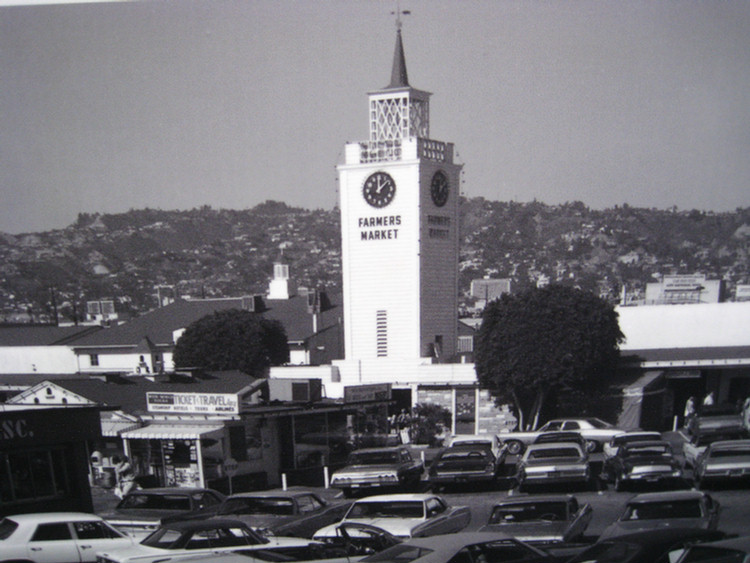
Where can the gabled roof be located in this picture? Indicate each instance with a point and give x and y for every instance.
(43, 335)
(158, 326)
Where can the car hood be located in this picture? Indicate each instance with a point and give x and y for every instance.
(261, 520)
(400, 527)
(145, 551)
(630, 526)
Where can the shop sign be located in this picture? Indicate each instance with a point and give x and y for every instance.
(362, 393)
(194, 403)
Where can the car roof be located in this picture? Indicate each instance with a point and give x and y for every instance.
(645, 443)
(52, 517)
(273, 494)
(208, 524)
(535, 499)
(729, 444)
(171, 490)
(382, 449)
(473, 438)
(661, 535)
(552, 445)
(668, 495)
(742, 542)
(399, 496)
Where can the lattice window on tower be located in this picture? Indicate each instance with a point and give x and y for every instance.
(420, 118)
(381, 333)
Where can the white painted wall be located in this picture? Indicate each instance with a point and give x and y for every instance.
(37, 359)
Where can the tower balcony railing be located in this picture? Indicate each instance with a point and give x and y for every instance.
(391, 150)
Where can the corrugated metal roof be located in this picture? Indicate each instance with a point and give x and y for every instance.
(171, 431)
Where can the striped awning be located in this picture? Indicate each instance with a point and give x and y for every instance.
(171, 431)
(114, 427)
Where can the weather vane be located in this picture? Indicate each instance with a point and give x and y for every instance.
(398, 13)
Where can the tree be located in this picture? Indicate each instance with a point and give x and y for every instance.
(544, 341)
(429, 420)
(233, 340)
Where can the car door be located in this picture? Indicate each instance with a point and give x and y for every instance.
(53, 543)
(436, 521)
(581, 519)
(93, 536)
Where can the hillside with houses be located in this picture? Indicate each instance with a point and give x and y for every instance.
(208, 252)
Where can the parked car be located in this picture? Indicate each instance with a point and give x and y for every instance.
(675, 509)
(57, 536)
(368, 468)
(141, 511)
(553, 464)
(404, 515)
(594, 430)
(643, 463)
(610, 448)
(541, 519)
(732, 550)
(715, 418)
(294, 512)
(465, 463)
(462, 547)
(175, 541)
(557, 436)
(649, 546)
(724, 461)
(489, 440)
(693, 448)
(356, 538)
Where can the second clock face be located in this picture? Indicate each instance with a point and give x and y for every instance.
(379, 189)
(439, 188)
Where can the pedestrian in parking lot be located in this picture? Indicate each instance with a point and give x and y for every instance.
(689, 410)
(124, 475)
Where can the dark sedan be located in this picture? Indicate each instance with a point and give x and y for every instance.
(643, 463)
(465, 464)
(284, 513)
(140, 512)
(652, 546)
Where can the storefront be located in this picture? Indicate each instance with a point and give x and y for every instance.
(44, 458)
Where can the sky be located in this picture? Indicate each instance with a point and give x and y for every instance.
(106, 107)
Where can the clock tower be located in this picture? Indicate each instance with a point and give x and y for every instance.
(399, 195)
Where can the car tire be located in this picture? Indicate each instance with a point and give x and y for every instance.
(592, 446)
(515, 447)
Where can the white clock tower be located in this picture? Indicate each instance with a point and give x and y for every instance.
(399, 228)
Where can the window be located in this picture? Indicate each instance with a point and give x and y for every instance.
(94, 531)
(52, 532)
(93, 360)
(33, 474)
(381, 333)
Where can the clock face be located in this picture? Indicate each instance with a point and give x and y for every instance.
(439, 188)
(379, 189)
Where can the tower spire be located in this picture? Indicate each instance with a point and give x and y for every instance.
(399, 77)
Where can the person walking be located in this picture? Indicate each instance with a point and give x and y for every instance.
(689, 410)
(124, 475)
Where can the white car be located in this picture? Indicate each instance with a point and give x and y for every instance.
(404, 516)
(176, 541)
(594, 430)
(57, 536)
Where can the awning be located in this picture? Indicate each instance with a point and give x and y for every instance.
(113, 428)
(171, 431)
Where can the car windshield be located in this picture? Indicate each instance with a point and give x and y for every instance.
(612, 551)
(202, 538)
(387, 509)
(7, 527)
(710, 553)
(278, 506)
(464, 453)
(664, 509)
(372, 458)
(155, 502)
(549, 453)
(528, 512)
(398, 554)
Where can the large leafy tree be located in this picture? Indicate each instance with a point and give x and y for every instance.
(544, 341)
(233, 340)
